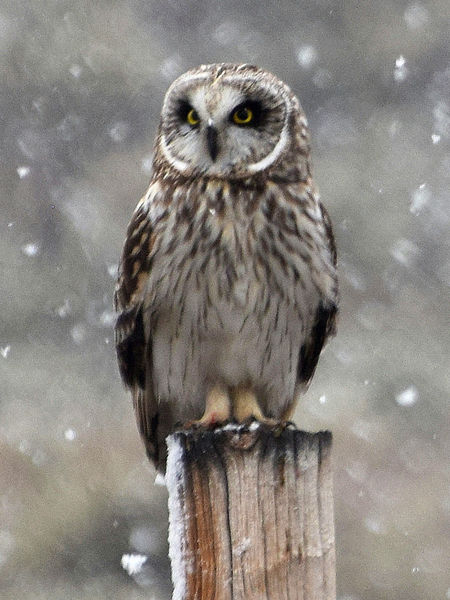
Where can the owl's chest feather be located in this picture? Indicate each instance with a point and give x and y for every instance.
(223, 258)
(213, 268)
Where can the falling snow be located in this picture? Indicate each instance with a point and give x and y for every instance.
(405, 252)
(171, 68)
(160, 480)
(107, 318)
(375, 525)
(306, 56)
(133, 563)
(416, 16)
(119, 131)
(113, 270)
(30, 249)
(82, 88)
(64, 310)
(70, 434)
(400, 70)
(146, 164)
(4, 351)
(23, 172)
(407, 397)
(420, 199)
(78, 333)
(75, 70)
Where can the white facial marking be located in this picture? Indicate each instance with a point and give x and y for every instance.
(189, 152)
(272, 156)
(180, 165)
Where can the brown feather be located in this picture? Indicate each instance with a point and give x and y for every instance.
(133, 344)
(228, 272)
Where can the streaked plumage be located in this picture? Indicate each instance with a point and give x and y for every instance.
(227, 285)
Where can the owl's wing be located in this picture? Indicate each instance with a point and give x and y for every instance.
(325, 319)
(133, 329)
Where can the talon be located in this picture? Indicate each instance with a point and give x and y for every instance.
(246, 407)
(281, 426)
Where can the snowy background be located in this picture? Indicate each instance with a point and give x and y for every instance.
(82, 86)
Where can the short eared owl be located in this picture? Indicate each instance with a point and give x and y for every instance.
(227, 285)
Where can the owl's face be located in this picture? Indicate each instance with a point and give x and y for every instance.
(225, 120)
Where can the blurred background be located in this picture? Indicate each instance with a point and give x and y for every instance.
(82, 86)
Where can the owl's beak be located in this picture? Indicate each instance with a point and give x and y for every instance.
(212, 141)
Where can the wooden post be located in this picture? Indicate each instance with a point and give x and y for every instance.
(251, 514)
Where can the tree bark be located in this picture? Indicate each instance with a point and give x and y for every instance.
(251, 514)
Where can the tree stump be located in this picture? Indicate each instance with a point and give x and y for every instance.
(251, 514)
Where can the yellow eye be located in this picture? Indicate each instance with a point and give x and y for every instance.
(192, 117)
(243, 116)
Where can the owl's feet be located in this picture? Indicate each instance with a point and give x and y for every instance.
(217, 408)
(242, 407)
(246, 407)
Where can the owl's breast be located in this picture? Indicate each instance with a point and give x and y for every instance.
(228, 304)
(226, 263)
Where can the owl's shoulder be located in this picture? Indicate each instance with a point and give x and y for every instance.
(135, 262)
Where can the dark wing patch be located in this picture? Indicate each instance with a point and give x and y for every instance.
(130, 347)
(133, 330)
(325, 319)
(324, 326)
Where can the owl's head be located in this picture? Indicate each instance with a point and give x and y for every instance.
(229, 120)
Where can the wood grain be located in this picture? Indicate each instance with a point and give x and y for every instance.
(251, 514)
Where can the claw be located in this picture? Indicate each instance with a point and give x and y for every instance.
(246, 407)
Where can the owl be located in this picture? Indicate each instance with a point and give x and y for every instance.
(227, 286)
